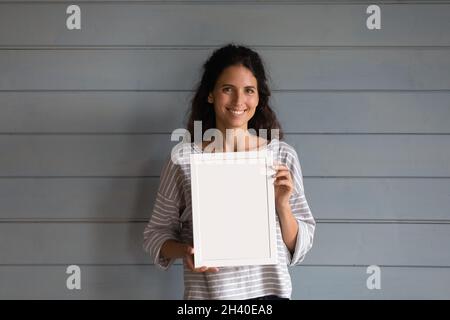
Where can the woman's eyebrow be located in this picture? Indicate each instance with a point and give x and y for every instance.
(230, 85)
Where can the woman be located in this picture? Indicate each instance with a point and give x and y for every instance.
(233, 98)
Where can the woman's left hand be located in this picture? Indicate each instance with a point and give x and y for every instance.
(284, 186)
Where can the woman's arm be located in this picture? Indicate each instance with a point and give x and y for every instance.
(284, 187)
(164, 222)
(172, 249)
(289, 227)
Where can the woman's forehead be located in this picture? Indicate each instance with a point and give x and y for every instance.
(237, 76)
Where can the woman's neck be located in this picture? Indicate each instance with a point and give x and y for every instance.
(234, 140)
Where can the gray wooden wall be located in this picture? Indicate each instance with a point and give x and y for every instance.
(85, 119)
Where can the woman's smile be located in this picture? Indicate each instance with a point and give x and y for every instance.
(237, 112)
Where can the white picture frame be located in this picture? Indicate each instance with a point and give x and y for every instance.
(233, 209)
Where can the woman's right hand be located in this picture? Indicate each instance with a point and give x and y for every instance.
(189, 261)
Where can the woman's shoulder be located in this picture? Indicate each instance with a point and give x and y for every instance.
(282, 147)
(180, 153)
(286, 154)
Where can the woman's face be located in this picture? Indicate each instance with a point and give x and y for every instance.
(235, 97)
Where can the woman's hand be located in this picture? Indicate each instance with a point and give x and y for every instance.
(284, 186)
(189, 261)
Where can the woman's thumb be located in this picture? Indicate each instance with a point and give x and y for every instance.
(189, 250)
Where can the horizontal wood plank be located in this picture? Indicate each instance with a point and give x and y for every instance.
(132, 199)
(170, 69)
(148, 282)
(121, 243)
(144, 155)
(213, 23)
(155, 112)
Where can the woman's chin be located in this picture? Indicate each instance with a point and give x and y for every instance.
(236, 125)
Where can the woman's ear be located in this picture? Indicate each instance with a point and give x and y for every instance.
(210, 98)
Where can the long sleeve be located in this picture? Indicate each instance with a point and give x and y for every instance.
(164, 223)
(301, 211)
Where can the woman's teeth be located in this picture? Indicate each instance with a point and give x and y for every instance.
(237, 112)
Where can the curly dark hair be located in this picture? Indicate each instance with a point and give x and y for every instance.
(229, 55)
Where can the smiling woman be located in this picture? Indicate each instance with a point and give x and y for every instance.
(233, 99)
(233, 94)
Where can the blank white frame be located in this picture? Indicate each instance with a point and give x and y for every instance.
(233, 209)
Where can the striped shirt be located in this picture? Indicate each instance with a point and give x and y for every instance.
(172, 219)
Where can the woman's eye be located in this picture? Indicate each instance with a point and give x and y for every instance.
(226, 89)
(250, 91)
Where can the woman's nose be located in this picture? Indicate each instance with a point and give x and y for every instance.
(239, 98)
